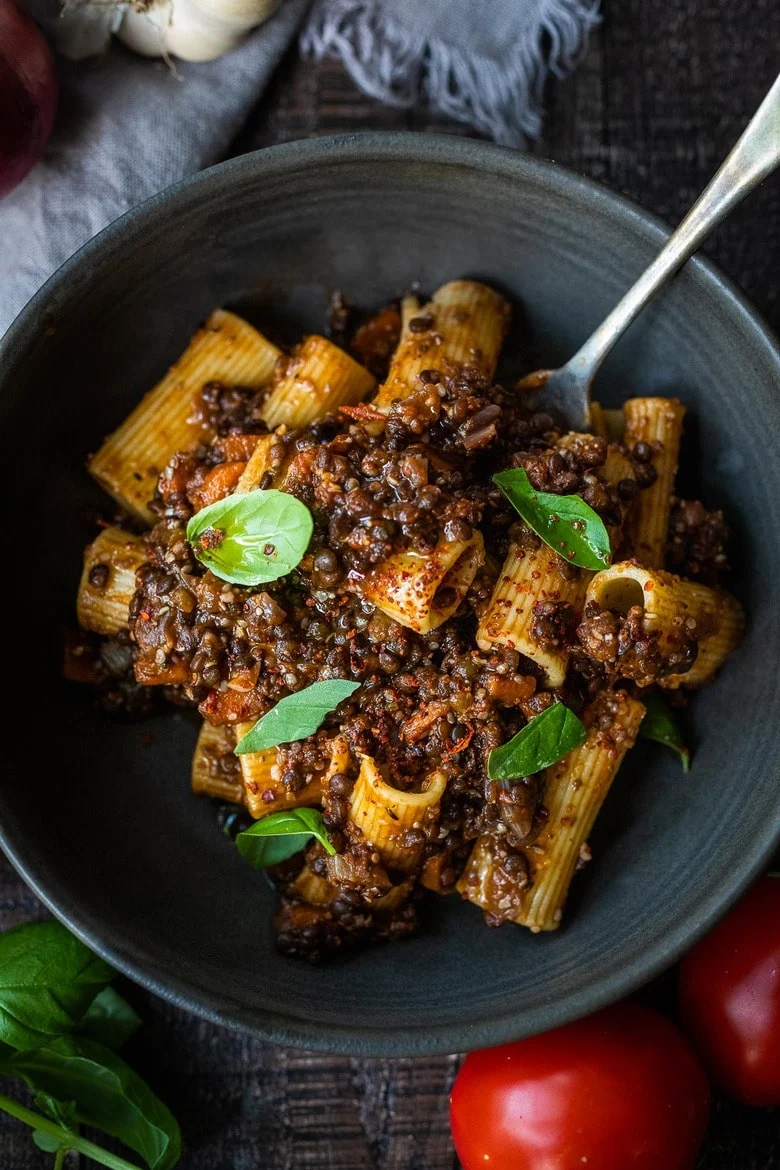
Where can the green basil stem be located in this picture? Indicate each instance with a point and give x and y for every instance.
(59, 1158)
(71, 1141)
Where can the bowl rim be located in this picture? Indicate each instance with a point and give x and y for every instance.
(358, 1039)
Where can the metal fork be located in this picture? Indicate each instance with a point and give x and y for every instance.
(755, 156)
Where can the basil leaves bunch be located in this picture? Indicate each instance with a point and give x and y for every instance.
(541, 743)
(61, 1024)
(566, 523)
(252, 538)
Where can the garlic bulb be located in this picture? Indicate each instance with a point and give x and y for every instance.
(194, 30)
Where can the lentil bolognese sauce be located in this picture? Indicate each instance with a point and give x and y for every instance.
(434, 688)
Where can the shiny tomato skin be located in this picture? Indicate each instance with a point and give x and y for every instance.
(620, 1090)
(730, 997)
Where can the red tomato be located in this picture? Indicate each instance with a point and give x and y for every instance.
(730, 997)
(620, 1090)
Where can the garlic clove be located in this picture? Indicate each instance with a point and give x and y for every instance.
(193, 30)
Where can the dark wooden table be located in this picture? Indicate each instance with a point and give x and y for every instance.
(664, 91)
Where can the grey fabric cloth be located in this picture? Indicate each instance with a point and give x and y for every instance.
(128, 126)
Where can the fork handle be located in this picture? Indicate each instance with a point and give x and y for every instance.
(755, 156)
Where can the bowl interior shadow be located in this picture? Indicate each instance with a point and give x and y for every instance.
(101, 819)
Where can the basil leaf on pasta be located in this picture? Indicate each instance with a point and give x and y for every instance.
(280, 835)
(252, 538)
(661, 725)
(297, 716)
(566, 523)
(545, 740)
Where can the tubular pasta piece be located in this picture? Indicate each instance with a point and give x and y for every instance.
(226, 349)
(384, 814)
(208, 778)
(575, 789)
(264, 791)
(608, 424)
(486, 883)
(106, 609)
(468, 324)
(315, 890)
(528, 576)
(657, 422)
(317, 378)
(669, 603)
(422, 590)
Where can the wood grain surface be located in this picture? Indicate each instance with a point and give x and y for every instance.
(663, 92)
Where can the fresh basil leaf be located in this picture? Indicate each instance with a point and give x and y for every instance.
(252, 538)
(109, 1019)
(280, 835)
(106, 1094)
(566, 523)
(660, 724)
(45, 1141)
(63, 1112)
(48, 979)
(296, 716)
(545, 740)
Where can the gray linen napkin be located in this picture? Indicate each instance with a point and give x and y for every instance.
(127, 126)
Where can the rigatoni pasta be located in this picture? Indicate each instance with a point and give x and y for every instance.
(462, 326)
(655, 426)
(422, 590)
(108, 580)
(315, 380)
(530, 577)
(226, 349)
(574, 791)
(414, 679)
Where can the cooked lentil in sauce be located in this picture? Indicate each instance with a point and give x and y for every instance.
(379, 483)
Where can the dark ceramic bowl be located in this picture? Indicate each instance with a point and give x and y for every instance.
(97, 815)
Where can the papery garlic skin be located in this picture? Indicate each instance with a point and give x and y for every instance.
(193, 30)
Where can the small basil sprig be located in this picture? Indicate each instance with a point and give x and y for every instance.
(542, 742)
(96, 1087)
(280, 835)
(252, 538)
(60, 1024)
(48, 979)
(566, 523)
(297, 716)
(661, 725)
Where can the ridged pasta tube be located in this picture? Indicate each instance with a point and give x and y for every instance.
(226, 349)
(384, 814)
(108, 580)
(575, 789)
(316, 379)
(487, 884)
(264, 792)
(677, 610)
(209, 778)
(657, 422)
(422, 590)
(608, 424)
(529, 576)
(465, 323)
(261, 775)
(315, 890)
